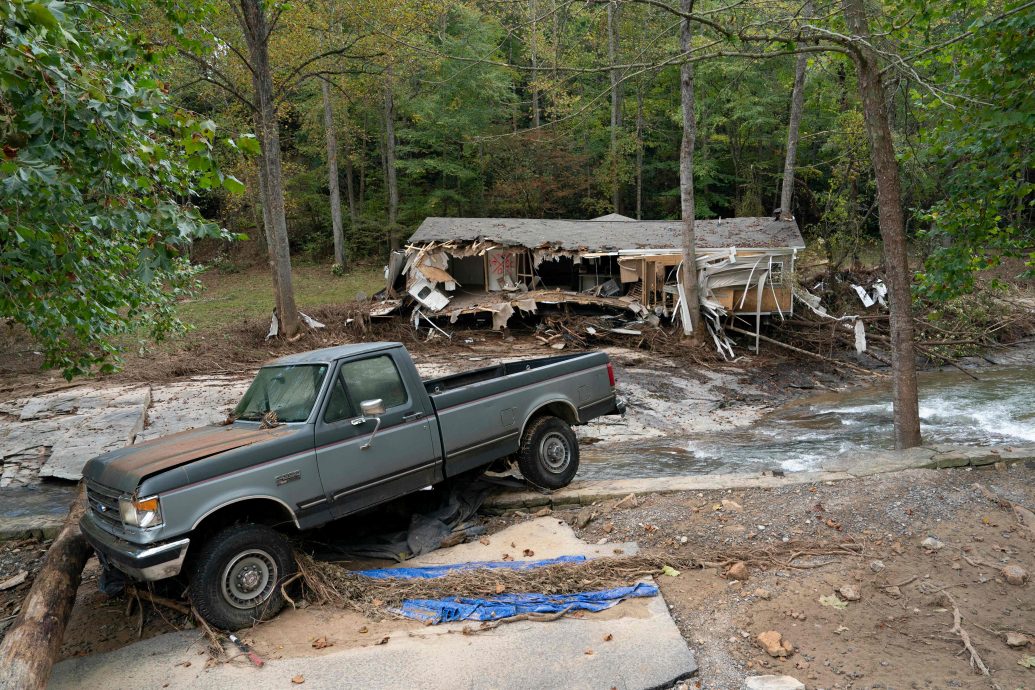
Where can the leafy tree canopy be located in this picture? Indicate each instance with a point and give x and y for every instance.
(97, 179)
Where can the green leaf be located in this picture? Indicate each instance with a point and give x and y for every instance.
(232, 184)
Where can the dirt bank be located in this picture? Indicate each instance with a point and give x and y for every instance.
(897, 634)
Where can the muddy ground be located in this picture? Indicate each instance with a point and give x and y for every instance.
(898, 634)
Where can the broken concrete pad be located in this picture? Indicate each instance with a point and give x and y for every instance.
(773, 683)
(634, 645)
(867, 464)
(546, 537)
(103, 427)
(646, 651)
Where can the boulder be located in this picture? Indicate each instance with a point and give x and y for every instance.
(773, 683)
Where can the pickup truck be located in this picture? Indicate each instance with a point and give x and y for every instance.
(318, 436)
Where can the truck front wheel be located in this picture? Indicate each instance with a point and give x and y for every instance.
(549, 454)
(235, 579)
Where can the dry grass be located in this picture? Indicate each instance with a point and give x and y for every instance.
(334, 585)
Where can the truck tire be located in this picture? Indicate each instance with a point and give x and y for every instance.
(235, 579)
(549, 453)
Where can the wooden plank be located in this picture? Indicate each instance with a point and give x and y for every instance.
(768, 303)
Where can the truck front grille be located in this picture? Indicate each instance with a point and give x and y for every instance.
(105, 504)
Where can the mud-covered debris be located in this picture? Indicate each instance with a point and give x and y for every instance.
(876, 566)
(849, 593)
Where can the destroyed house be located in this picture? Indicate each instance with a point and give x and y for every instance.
(454, 266)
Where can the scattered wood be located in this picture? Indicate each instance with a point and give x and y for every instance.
(157, 600)
(959, 631)
(30, 648)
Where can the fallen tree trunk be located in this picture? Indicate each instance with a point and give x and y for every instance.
(32, 643)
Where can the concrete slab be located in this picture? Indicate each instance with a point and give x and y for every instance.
(546, 537)
(645, 649)
(93, 421)
(646, 652)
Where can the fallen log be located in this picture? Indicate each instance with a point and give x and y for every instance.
(32, 643)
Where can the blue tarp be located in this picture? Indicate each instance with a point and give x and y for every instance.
(433, 571)
(506, 605)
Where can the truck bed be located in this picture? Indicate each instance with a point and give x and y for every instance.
(482, 413)
(454, 381)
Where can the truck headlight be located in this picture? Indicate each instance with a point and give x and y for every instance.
(142, 512)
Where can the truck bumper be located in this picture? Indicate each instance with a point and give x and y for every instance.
(141, 562)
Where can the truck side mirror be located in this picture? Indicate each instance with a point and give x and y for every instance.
(371, 409)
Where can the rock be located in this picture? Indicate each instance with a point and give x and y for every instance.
(737, 571)
(762, 593)
(849, 593)
(1016, 639)
(543, 512)
(583, 518)
(1015, 574)
(893, 591)
(932, 544)
(774, 644)
(731, 505)
(876, 566)
(773, 683)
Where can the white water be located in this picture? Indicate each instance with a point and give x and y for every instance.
(999, 409)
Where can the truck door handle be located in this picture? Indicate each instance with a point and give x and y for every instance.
(412, 416)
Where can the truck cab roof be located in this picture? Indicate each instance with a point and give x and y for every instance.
(327, 355)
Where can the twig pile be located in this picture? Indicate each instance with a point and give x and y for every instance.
(335, 585)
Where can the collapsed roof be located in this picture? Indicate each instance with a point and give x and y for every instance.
(611, 233)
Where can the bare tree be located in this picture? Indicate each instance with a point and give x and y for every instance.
(686, 174)
(390, 174)
(797, 104)
(533, 53)
(892, 226)
(332, 175)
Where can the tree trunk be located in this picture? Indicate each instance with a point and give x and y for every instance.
(797, 103)
(256, 34)
(332, 176)
(613, 17)
(390, 177)
(639, 152)
(892, 228)
(534, 57)
(32, 643)
(686, 175)
(350, 194)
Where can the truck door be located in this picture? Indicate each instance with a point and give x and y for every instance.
(401, 456)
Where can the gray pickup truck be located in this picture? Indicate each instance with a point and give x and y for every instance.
(318, 436)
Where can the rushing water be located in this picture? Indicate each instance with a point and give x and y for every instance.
(996, 410)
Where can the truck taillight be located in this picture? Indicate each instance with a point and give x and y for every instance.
(611, 374)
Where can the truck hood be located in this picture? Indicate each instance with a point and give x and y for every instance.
(125, 468)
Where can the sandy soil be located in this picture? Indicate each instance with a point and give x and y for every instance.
(889, 638)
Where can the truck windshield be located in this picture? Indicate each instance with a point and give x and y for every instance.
(289, 391)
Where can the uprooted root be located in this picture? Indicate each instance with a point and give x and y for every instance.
(335, 585)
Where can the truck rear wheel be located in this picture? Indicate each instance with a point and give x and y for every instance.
(236, 577)
(549, 454)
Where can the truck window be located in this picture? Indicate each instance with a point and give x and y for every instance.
(338, 405)
(289, 391)
(376, 377)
